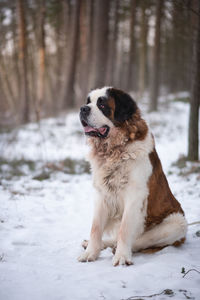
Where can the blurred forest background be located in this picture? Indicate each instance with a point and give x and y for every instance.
(52, 52)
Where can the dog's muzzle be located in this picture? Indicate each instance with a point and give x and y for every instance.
(89, 130)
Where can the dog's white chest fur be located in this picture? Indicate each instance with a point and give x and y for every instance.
(111, 182)
(111, 179)
(120, 180)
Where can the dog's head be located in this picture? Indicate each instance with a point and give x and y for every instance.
(107, 108)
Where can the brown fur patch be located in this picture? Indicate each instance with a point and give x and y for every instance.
(161, 202)
(110, 148)
(135, 128)
(151, 250)
(114, 146)
(179, 243)
(111, 104)
(156, 249)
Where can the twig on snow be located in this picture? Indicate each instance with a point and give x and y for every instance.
(164, 292)
(190, 271)
(102, 296)
(1, 257)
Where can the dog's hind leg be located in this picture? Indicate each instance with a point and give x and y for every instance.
(171, 231)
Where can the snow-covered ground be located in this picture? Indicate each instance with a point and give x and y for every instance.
(46, 203)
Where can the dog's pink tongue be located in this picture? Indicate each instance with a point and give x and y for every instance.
(89, 129)
(102, 130)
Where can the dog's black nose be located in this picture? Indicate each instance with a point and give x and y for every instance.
(85, 110)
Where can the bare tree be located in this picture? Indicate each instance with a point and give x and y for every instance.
(113, 43)
(73, 40)
(132, 50)
(193, 143)
(41, 76)
(156, 58)
(101, 28)
(90, 53)
(143, 48)
(15, 48)
(23, 61)
(8, 90)
(85, 50)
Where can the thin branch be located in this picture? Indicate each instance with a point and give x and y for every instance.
(164, 292)
(190, 271)
(185, 5)
(190, 8)
(1, 257)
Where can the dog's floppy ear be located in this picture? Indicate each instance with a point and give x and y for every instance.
(125, 106)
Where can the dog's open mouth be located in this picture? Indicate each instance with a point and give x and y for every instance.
(96, 132)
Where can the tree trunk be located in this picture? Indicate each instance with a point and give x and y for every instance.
(15, 50)
(156, 59)
(143, 50)
(41, 77)
(90, 53)
(193, 143)
(5, 77)
(6, 89)
(84, 53)
(132, 51)
(4, 103)
(67, 27)
(101, 28)
(59, 69)
(24, 91)
(113, 45)
(74, 39)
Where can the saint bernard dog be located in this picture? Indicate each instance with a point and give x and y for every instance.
(134, 206)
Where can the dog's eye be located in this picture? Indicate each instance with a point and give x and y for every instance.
(101, 102)
(88, 100)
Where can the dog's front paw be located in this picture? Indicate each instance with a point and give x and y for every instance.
(88, 256)
(122, 259)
